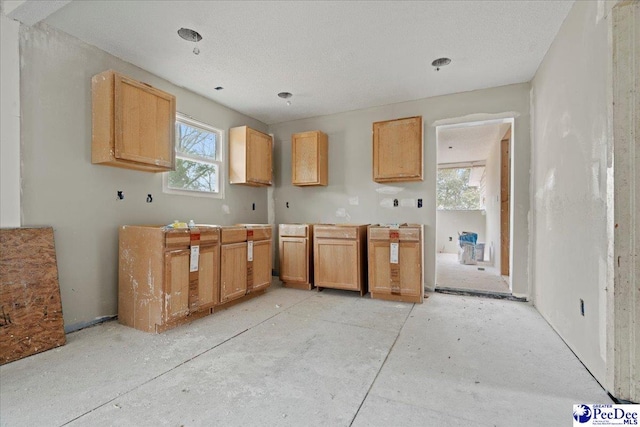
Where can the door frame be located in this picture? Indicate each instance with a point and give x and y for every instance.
(504, 119)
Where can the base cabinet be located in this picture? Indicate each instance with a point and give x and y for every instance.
(245, 260)
(157, 288)
(296, 255)
(339, 255)
(395, 262)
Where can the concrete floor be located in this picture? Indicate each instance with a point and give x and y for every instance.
(296, 358)
(451, 274)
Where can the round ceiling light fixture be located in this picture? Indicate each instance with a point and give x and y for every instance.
(441, 62)
(189, 35)
(286, 95)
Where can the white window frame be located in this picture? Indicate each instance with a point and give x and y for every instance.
(219, 162)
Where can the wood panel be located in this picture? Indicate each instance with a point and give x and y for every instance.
(505, 191)
(250, 157)
(337, 264)
(238, 155)
(261, 264)
(410, 267)
(336, 231)
(177, 284)
(309, 158)
(293, 230)
(209, 276)
(233, 271)
(294, 259)
(259, 161)
(30, 306)
(133, 124)
(398, 150)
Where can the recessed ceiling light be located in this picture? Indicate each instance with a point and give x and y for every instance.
(218, 88)
(189, 35)
(286, 95)
(441, 62)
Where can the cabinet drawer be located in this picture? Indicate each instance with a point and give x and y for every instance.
(233, 234)
(208, 236)
(293, 230)
(335, 232)
(177, 238)
(259, 233)
(406, 234)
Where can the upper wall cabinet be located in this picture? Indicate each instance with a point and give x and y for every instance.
(397, 150)
(309, 152)
(133, 124)
(250, 161)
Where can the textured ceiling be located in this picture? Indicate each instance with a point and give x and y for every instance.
(468, 143)
(333, 56)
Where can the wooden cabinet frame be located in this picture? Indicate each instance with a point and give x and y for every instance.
(309, 159)
(296, 255)
(401, 280)
(340, 256)
(133, 124)
(398, 150)
(250, 157)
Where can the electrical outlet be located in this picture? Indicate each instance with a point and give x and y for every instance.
(419, 203)
(253, 206)
(581, 306)
(395, 203)
(450, 239)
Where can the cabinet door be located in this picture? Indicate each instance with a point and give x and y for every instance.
(144, 123)
(177, 284)
(233, 271)
(410, 259)
(294, 260)
(259, 162)
(304, 159)
(336, 263)
(208, 277)
(261, 264)
(397, 150)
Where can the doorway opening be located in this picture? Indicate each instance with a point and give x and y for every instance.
(474, 212)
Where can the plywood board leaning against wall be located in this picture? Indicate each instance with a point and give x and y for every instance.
(30, 305)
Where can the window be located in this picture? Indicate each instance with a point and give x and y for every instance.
(454, 191)
(199, 167)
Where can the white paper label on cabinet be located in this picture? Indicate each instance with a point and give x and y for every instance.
(393, 253)
(195, 256)
(250, 250)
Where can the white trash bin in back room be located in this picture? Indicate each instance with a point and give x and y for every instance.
(480, 251)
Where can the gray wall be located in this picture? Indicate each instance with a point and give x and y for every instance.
(572, 182)
(61, 187)
(350, 168)
(452, 223)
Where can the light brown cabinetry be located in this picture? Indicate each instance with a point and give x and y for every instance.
(395, 262)
(296, 255)
(397, 150)
(245, 260)
(158, 286)
(339, 256)
(250, 157)
(233, 263)
(309, 158)
(133, 124)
